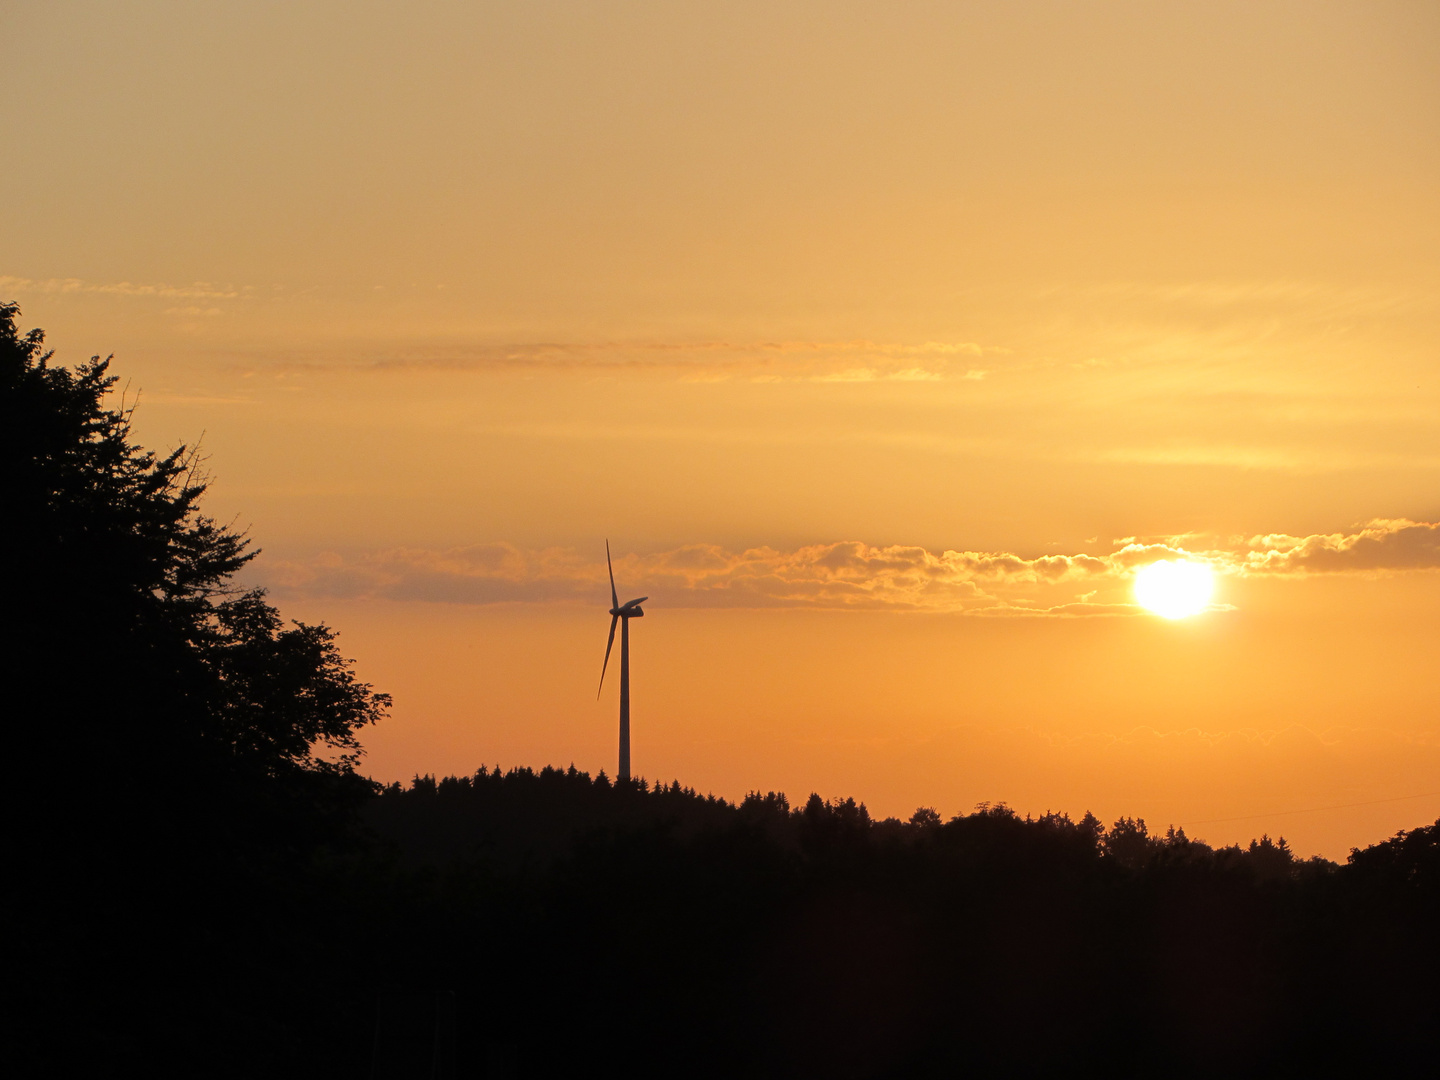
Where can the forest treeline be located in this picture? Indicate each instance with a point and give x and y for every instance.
(524, 817)
(203, 882)
(815, 940)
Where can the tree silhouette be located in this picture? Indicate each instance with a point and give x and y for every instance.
(185, 751)
(135, 648)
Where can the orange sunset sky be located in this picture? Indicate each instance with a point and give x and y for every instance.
(884, 341)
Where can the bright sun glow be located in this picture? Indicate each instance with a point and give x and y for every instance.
(1174, 589)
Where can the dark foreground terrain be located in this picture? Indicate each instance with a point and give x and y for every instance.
(814, 941)
(548, 924)
(200, 884)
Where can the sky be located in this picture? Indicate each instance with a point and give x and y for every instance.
(885, 342)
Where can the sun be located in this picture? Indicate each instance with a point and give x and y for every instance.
(1175, 589)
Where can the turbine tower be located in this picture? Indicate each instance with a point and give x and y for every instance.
(621, 613)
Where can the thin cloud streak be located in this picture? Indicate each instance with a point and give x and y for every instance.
(199, 290)
(859, 360)
(849, 575)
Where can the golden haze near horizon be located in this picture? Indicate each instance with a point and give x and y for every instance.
(885, 342)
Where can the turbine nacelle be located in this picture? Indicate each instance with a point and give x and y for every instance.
(630, 609)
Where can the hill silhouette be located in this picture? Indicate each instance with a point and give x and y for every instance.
(205, 884)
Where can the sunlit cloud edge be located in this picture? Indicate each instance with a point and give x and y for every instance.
(849, 575)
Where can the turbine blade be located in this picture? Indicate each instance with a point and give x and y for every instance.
(614, 599)
(613, 620)
(632, 603)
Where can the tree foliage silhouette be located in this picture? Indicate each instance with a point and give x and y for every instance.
(186, 752)
(135, 646)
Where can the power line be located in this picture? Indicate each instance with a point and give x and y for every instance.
(1311, 810)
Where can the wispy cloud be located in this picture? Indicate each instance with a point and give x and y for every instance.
(1317, 296)
(858, 360)
(199, 290)
(848, 575)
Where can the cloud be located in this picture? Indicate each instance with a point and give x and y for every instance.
(199, 290)
(1320, 296)
(844, 575)
(1396, 544)
(1384, 545)
(849, 361)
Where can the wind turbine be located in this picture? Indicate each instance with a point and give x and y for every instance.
(621, 613)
